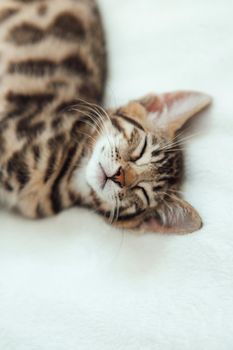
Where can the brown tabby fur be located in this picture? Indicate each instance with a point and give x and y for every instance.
(52, 58)
(51, 52)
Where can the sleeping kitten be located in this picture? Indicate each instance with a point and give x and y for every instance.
(59, 148)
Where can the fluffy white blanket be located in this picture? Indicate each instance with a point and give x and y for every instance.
(72, 282)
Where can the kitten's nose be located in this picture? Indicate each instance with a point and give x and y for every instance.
(119, 177)
(130, 177)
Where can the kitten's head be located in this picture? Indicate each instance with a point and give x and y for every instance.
(137, 166)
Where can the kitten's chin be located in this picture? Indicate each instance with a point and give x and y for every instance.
(98, 182)
(95, 177)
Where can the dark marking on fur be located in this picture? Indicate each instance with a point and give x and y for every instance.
(75, 64)
(95, 199)
(33, 67)
(166, 167)
(4, 125)
(157, 188)
(56, 198)
(26, 129)
(90, 92)
(26, 103)
(172, 180)
(142, 151)
(76, 133)
(8, 187)
(57, 123)
(117, 125)
(73, 197)
(36, 151)
(18, 166)
(145, 194)
(68, 27)
(42, 10)
(50, 167)
(155, 153)
(40, 213)
(25, 34)
(129, 120)
(7, 14)
(56, 142)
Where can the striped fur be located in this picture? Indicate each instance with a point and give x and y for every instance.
(52, 52)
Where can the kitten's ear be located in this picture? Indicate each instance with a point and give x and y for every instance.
(171, 111)
(176, 216)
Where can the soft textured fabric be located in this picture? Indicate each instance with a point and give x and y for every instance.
(72, 282)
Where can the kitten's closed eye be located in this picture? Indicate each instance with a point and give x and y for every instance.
(138, 154)
(144, 192)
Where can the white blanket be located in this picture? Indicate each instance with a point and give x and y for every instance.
(74, 283)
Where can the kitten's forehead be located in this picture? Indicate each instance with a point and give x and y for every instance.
(126, 124)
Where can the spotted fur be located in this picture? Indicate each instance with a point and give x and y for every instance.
(59, 148)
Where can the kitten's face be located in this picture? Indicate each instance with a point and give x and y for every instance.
(136, 168)
(132, 166)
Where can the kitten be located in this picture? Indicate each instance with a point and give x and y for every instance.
(59, 148)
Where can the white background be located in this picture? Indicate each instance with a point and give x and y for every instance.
(74, 283)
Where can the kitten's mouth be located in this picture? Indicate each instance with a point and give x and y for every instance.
(102, 177)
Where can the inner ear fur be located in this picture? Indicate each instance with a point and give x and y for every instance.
(169, 111)
(173, 216)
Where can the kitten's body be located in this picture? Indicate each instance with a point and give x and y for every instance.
(52, 52)
(55, 155)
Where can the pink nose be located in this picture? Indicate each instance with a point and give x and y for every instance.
(119, 177)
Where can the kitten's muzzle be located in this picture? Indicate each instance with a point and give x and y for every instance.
(119, 177)
(104, 177)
